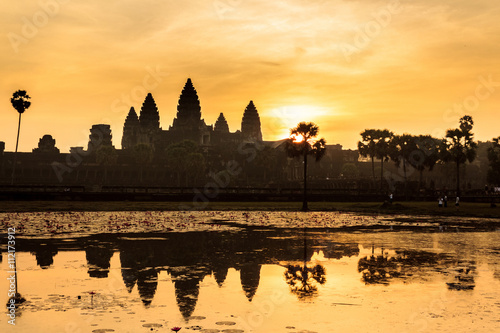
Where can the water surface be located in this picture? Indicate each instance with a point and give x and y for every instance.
(258, 280)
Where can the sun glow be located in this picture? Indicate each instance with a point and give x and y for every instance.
(297, 138)
(278, 122)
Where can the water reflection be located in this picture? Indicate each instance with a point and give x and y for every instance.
(464, 280)
(304, 279)
(401, 264)
(188, 258)
(250, 277)
(98, 256)
(45, 255)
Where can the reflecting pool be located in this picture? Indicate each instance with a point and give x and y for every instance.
(257, 280)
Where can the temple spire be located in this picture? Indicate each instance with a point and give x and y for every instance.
(250, 124)
(188, 108)
(221, 124)
(130, 130)
(149, 116)
(250, 277)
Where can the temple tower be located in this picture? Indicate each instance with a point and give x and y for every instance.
(221, 125)
(250, 124)
(46, 145)
(188, 108)
(149, 117)
(188, 124)
(131, 130)
(100, 135)
(149, 120)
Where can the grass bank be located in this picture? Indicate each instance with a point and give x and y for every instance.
(409, 208)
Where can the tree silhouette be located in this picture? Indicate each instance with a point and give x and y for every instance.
(402, 150)
(460, 145)
(376, 143)
(368, 146)
(303, 280)
(494, 159)
(350, 170)
(382, 150)
(426, 155)
(301, 144)
(20, 102)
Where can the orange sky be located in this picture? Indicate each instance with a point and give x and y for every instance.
(346, 65)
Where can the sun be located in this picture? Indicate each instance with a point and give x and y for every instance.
(297, 138)
(278, 122)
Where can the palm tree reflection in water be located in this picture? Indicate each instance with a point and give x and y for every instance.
(378, 269)
(303, 279)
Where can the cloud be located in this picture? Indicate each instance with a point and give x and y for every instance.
(417, 62)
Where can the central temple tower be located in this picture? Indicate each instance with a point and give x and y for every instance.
(188, 123)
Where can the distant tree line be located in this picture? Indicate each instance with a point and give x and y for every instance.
(422, 152)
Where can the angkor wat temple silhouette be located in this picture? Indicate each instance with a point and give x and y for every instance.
(188, 153)
(187, 125)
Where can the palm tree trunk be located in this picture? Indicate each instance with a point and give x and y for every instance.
(404, 169)
(15, 154)
(304, 202)
(381, 173)
(373, 169)
(420, 181)
(458, 178)
(464, 178)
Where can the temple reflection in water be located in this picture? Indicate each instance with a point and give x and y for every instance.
(190, 257)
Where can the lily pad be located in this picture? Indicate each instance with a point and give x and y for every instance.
(152, 325)
(228, 323)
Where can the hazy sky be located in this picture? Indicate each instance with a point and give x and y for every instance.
(409, 66)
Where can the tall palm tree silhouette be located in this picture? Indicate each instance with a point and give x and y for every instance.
(368, 146)
(20, 102)
(301, 144)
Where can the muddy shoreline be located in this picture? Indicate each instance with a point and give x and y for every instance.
(466, 209)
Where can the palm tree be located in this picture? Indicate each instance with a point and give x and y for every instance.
(427, 154)
(20, 102)
(301, 144)
(494, 159)
(460, 145)
(368, 146)
(382, 150)
(402, 150)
